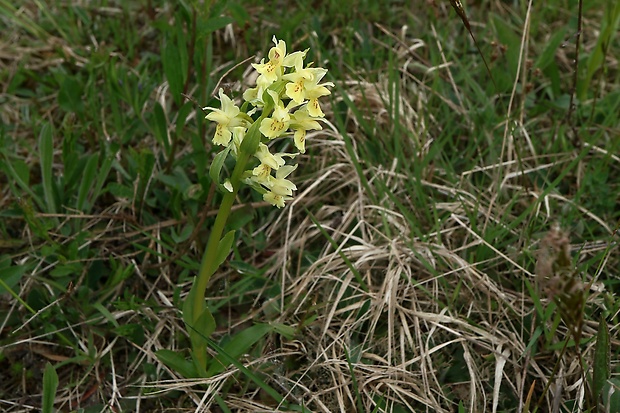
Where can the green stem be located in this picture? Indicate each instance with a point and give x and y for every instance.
(209, 259)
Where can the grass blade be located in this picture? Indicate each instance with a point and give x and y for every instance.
(46, 153)
(50, 384)
(225, 357)
(239, 344)
(88, 182)
(458, 8)
(601, 359)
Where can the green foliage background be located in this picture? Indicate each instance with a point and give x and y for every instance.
(106, 202)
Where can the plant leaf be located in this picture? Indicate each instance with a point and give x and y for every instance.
(160, 126)
(213, 24)
(177, 362)
(223, 249)
(548, 55)
(50, 384)
(601, 358)
(238, 345)
(88, 182)
(70, 95)
(596, 60)
(102, 174)
(201, 326)
(223, 356)
(9, 275)
(182, 114)
(46, 154)
(216, 166)
(611, 395)
(250, 142)
(171, 60)
(188, 309)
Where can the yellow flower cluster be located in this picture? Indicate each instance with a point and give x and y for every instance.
(286, 103)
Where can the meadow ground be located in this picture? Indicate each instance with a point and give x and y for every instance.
(452, 245)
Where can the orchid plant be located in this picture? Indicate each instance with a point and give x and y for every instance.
(283, 104)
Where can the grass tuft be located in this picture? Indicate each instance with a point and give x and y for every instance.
(453, 244)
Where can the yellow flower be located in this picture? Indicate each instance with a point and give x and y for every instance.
(314, 91)
(301, 121)
(255, 95)
(274, 161)
(238, 133)
(278, 59)
(268, 162)
(276, 199)
(296, 88)
(226, 118)
(280, 188)
(261, 173)
(279, 121)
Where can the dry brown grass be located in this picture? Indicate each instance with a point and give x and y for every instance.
(432, 324)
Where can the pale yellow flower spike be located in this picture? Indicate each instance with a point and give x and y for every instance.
(298, 89)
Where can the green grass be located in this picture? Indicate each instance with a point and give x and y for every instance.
(401, 278)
